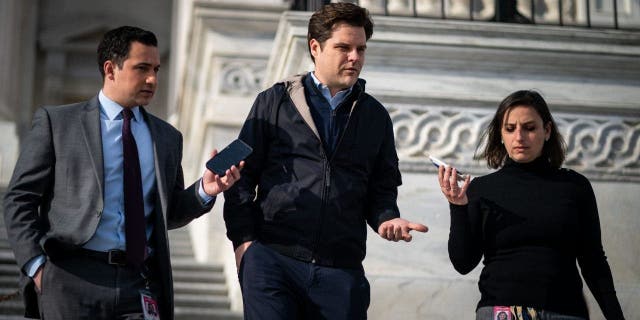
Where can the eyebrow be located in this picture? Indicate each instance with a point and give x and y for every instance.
(341, 44)
(147, 64)
(523, 123)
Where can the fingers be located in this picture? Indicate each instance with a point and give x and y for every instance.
(399, 229)
(465, 185)
(406, 236)
(389, 231)
(398, 233)
(445, 183)
(235, 171)
(447, 177)
(453, 181)
(406, 229)
(418, 227)
(444, 178)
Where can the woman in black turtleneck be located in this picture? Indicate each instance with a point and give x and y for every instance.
(531, 220)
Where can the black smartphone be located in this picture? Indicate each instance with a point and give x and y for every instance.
(231, 155)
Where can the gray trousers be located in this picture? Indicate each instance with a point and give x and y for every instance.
(81, 287)
(486, 313)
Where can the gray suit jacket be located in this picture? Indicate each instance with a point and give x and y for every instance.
(55, 198)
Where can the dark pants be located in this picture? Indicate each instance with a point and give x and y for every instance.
(81, 287)
(275, 286)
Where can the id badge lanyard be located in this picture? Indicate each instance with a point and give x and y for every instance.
(149, 302)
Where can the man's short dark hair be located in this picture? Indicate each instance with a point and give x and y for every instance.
(323, 21)
(116, 43)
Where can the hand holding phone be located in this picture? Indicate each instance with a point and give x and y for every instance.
(231, 155)
(437, 162)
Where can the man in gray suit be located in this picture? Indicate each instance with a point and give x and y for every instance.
(96, 187)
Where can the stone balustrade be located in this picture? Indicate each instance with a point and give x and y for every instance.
(574, 12)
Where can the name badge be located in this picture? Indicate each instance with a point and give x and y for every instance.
(501, 313)
(150, 308)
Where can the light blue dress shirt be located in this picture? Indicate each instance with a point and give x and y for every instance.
(334, 101)
(110, 232)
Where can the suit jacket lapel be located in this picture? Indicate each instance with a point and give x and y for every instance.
(90, 118)
(159, 159)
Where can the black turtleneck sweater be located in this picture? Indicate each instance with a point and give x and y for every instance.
(531, 222)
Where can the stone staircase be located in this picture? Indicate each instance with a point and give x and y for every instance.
(200, 290)
(10, 309)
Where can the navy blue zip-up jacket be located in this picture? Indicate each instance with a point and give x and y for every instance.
(297, 200)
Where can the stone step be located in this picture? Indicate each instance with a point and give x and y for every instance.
(198, 276)
(181, 250)
(202, 301)
(180, 241)
(200, 288)
(181, 246)
(181, 255)
(11, 307)
(7, 257)
(8, 291)
(184, 255)
(8, 281)
(192, 265)
(203, 313)
(182, 232)
(9, 269)
(10, 317)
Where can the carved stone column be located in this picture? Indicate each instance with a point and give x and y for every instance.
(8, 69)
(17, 35)
(17, 49)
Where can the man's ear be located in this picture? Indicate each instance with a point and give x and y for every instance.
(109, 69)
(315, 47)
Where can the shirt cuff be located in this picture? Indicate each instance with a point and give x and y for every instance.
(34, 264)
(206, 199)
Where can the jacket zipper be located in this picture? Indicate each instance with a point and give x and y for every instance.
(327, 181)
(327, 176)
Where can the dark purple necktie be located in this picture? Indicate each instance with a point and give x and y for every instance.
(135, 231)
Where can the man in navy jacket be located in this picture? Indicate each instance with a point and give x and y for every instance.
(324, 164)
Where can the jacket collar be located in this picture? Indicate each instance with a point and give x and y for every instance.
(295, 87)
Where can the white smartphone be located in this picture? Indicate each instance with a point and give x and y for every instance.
(437, 162)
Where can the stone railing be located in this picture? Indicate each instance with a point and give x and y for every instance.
(591, 13)
(601, 146)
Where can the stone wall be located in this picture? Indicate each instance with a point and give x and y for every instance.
(441, 81)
